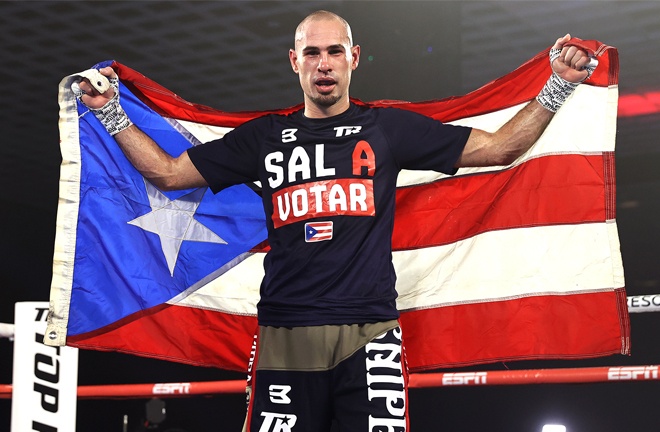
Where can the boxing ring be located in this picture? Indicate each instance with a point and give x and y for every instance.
(424, 380)
(637, 373)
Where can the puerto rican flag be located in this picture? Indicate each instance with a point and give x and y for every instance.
(502, 263)
(318, 231)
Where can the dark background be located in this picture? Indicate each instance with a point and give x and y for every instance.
(233, 56)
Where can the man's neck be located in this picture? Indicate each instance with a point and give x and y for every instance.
(313, 110)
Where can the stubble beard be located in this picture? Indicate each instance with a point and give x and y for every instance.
(325, 100)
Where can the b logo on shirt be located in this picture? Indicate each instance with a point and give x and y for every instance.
(289, 135)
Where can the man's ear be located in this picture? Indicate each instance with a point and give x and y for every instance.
(293, 59)
(355, 53)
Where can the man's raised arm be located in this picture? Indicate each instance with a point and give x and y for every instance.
(161, 169)
(570, 67)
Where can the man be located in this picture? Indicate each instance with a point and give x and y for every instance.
(329, 345)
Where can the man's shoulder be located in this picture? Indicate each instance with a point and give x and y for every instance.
(395, 114)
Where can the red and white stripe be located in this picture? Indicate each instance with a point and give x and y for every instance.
(493, 264)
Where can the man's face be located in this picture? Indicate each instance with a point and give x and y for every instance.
(324, 61)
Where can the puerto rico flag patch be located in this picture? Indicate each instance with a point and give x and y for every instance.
(318, 231)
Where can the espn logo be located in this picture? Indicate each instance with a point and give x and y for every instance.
(171, 388)
(631, 373)
(464, 378)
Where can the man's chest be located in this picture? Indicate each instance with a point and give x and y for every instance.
(296, 155)
(322, 172)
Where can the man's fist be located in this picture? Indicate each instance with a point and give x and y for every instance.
(96, 87)
(570, 62)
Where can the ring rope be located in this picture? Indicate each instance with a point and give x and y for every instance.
(641, 303)
(419, 380)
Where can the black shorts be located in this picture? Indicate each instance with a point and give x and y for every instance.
(328, 378)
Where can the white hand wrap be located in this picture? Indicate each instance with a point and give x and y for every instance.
(111, 115)
(557, 90)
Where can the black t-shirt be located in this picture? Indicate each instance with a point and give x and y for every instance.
(329, 195)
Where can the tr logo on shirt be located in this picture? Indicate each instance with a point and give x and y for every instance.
(347, 130)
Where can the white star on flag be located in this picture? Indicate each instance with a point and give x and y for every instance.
(173, 222)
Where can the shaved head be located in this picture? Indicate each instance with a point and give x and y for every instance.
(322, 15)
